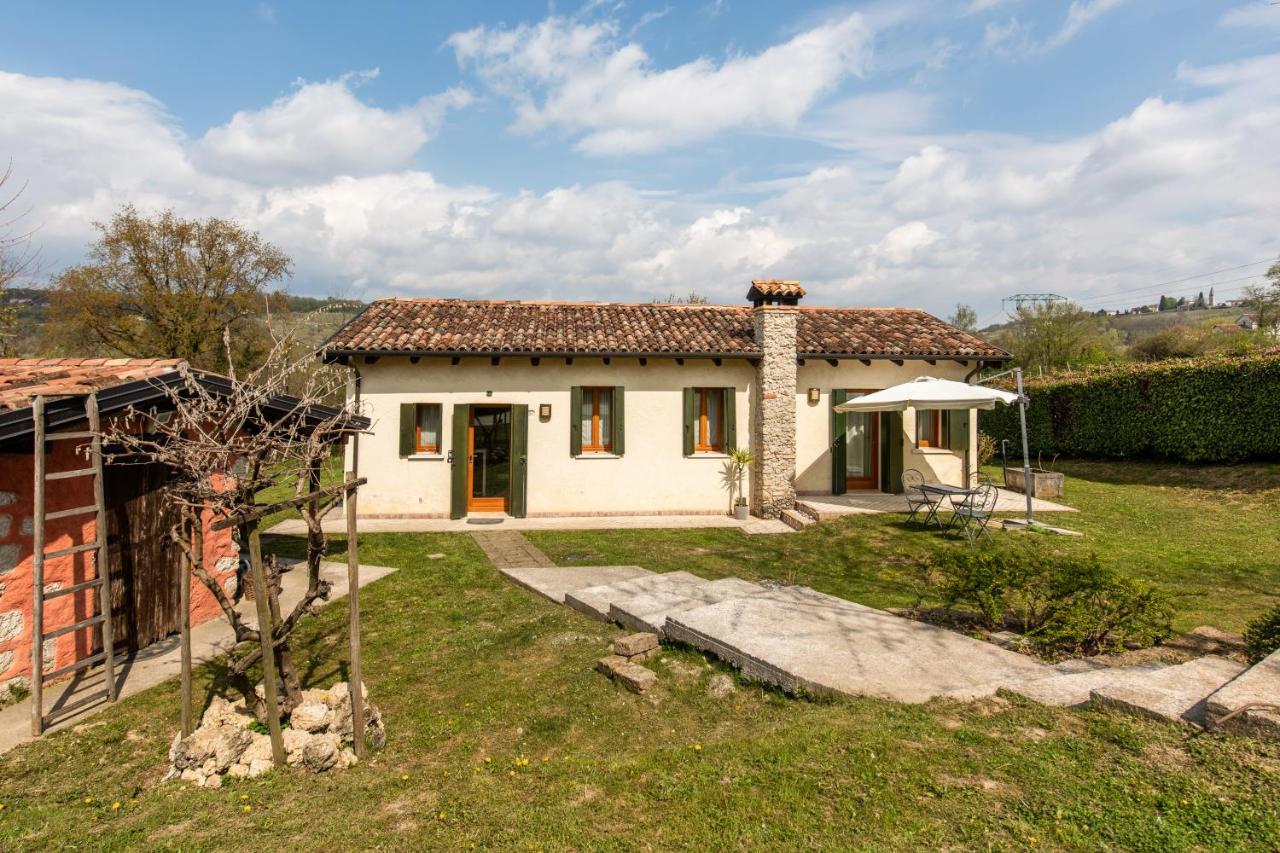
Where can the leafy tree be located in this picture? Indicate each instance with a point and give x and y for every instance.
(694, 298)
(1168, 303)
(1055, 335)
(964, 317)
(1173, 342)
(1263, 302)
(166, 287)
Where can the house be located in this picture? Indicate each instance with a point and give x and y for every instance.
(561, 409)
(142, 562)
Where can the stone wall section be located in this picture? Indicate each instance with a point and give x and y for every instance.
(773, 412)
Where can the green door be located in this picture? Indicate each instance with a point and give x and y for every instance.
(519, 460)
(891, 452)
(459, 461)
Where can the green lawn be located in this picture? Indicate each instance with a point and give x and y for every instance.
(474, 674)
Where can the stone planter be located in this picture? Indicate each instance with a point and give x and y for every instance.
(1044, 484)
(741, 512)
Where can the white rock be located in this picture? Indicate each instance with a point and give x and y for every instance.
(238, 771)
(311, 717)
(321, 753)
(259, 766)
(259, 749)
(222, 713)
(295, 740)
(229, 745)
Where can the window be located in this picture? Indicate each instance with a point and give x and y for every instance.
(426, 428)
(708, 434)
(929, 428)
(597, 420)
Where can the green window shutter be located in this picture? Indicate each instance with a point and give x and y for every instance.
(408, 417)
(460, 462)
(618, 440)
(575, 421)
(689, 417)
(730, 418)
(519, 460)
(839, 476)
(956, 426)
(891, 436)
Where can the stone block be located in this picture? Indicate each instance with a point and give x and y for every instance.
(1258, 685)
(609, 665)
(10, 554)
(6, 661)
(6, 525)
(7, 498)
(11, 623)
(634, 677)
(635, 644)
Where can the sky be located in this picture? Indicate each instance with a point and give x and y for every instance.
(914, 152)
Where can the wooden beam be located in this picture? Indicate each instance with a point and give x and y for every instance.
(494, 361)
(455, 361)
(414, 359)
(37, 571)
(866, 362)
(353, 611)
(568, 360)
(833, 362)
(897, 361)
(931, 361)
(680, 361)
(644, 362)
(265, 633)
(608, 360)
(266, 509)
(535, 361)
(184, 597)
(717, 361)
(371, 359)
(102, 565)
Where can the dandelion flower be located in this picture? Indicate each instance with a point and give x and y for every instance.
(488, 760)
(697, 747)
(246, 808)
(88, 800)
(440, 816)
(115, 806)
(511, 772)
(244, 797)
(404, 777)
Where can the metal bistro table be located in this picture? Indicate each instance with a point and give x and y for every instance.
(943, 492)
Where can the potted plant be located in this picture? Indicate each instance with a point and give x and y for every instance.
(740, 460)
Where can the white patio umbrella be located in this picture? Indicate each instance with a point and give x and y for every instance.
(929, 392)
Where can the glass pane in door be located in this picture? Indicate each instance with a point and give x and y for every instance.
(857, 436)
(491, 454)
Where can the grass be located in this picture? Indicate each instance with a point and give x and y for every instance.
(474, 674)
(1204, 534)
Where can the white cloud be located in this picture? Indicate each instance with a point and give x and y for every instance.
(1080, 14)
(898, 216)
(977, 6)
(1262, 15)
(323, 129)
(1009, 37)
(562, 73)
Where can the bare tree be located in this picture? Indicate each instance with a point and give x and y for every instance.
(228, 439)
(16, 256)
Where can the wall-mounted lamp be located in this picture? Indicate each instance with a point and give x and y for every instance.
(544, 411)
(814, 395)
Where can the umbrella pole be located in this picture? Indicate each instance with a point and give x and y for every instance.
(1026, 452)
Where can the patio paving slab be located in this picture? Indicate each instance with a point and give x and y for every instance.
(594, 601)
(555, 582)
(824, 507)
(1176, 693)
(807, 642)
(649, 611)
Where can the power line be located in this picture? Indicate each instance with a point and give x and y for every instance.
(1215, 285)
(1159, 285)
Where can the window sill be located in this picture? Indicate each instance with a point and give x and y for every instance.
(935, 451)
(707, 454)
(593, 454)
(419, 456)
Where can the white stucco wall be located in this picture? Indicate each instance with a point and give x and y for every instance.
(653, 475)
(813, 421)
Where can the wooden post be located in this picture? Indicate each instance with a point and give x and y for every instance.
(37, 573)
(353, 604)
(195, 537)
(268, 647)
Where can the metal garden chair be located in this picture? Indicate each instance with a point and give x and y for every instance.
(917, 499)
(973, 514)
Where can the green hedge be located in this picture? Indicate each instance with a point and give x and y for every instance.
(1195, 410)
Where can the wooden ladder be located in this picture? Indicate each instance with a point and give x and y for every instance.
(101, 580)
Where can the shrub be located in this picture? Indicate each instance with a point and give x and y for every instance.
(1262, 637)
(1062, 603)
(986, 449)
(1211, 409)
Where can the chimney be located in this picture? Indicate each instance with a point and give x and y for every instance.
(773, 396)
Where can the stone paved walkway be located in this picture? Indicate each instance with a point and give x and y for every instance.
(508, 549)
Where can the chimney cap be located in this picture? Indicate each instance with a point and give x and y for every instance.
(774, 291)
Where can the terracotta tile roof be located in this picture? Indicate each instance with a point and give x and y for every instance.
(22, 379)
(775, 287)
(463, 327)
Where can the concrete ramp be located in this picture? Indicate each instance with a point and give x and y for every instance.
(807, 642)
(649, 611)
(594, 601)
(555, 582)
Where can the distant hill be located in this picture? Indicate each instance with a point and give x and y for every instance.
(1134, 326)
(312, 319)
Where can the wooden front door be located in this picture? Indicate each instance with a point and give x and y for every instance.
(145, 602)
(861, 447)
(489, 459)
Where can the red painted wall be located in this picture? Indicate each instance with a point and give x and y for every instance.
(16, 546)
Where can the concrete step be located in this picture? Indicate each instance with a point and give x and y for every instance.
(649, 611)
(796, 520)
(807, 642)
(1072, 689)
(1257, 685)
(594, 601)
(816, 513)
(555, 582)
(1175, 693)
